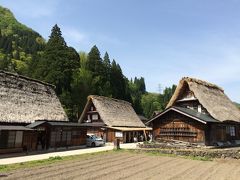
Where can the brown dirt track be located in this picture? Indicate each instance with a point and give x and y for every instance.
(126, 165)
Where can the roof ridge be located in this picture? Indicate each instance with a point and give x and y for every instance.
(201, 82)
(108, 98)
(27, 78)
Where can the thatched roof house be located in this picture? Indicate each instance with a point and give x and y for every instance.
(106, 116)
(25, 100)
(200, 112)
(113, 112)
(210, 96)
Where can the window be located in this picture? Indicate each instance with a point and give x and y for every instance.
(95, 117)
(19, 137)
(199, 108)
(190, 107)
(11, 138)
(231, 130)
(3, 139)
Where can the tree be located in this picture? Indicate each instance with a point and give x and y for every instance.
(166, 95)
(107, 75)
(57, 66)
(4, 62)
(95, 63)
(150, 103)
(82, 86)
(117, 81)
(58, 62)
(137, 90)
(83, 59)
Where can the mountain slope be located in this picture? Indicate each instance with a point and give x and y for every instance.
(18, 43)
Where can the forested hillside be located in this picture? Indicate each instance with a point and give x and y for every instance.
(18, 43)
(75, 75)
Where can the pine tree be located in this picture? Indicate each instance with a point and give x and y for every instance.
(117, 81)
(107, 75)
(95, 63)
(58, 62)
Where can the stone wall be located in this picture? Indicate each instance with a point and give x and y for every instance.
(233, 153)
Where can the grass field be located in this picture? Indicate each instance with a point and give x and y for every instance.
(123, 165)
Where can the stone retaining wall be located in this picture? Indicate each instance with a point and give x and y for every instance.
(195, 152)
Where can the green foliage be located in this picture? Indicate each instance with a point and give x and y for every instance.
(117, 81)
(75, 76)
(18, 43)
(137, 90)
(82, 86)
(54, 158)
(150, 103)
(58, 62)
(57, 65)
(166, 95)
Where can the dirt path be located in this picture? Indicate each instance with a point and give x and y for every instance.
(125, 165)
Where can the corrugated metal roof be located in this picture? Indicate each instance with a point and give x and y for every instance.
(131, 128)
(56, 123)
(93, 124)
(204, 117)
(35, 124)
(15, 128)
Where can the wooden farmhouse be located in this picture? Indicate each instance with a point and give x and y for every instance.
(112, 118)
(198, 112)
(32, 118)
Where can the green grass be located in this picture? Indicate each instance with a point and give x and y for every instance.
(50, 160)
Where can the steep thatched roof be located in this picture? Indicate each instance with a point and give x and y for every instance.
(210, 96)
(113, 112)
(24, 100)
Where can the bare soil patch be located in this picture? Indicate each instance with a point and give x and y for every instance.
(129, 165)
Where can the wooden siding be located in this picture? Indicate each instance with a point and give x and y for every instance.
(110, 135)
(220, 133)
(17, 141)
(173, 125)
(30, 140)
(90, 114)
(67, 136)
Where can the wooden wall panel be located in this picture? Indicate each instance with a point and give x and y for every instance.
(173, 125)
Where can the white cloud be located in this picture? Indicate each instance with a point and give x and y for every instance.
(76, 38)
(73, 35)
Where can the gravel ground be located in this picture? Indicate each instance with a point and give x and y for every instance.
(125, 165)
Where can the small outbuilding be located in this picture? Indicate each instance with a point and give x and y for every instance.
(113, 118)
(198, 112)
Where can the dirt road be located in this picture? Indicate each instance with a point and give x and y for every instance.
(125, 165)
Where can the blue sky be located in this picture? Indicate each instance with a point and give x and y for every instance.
(160, 40)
